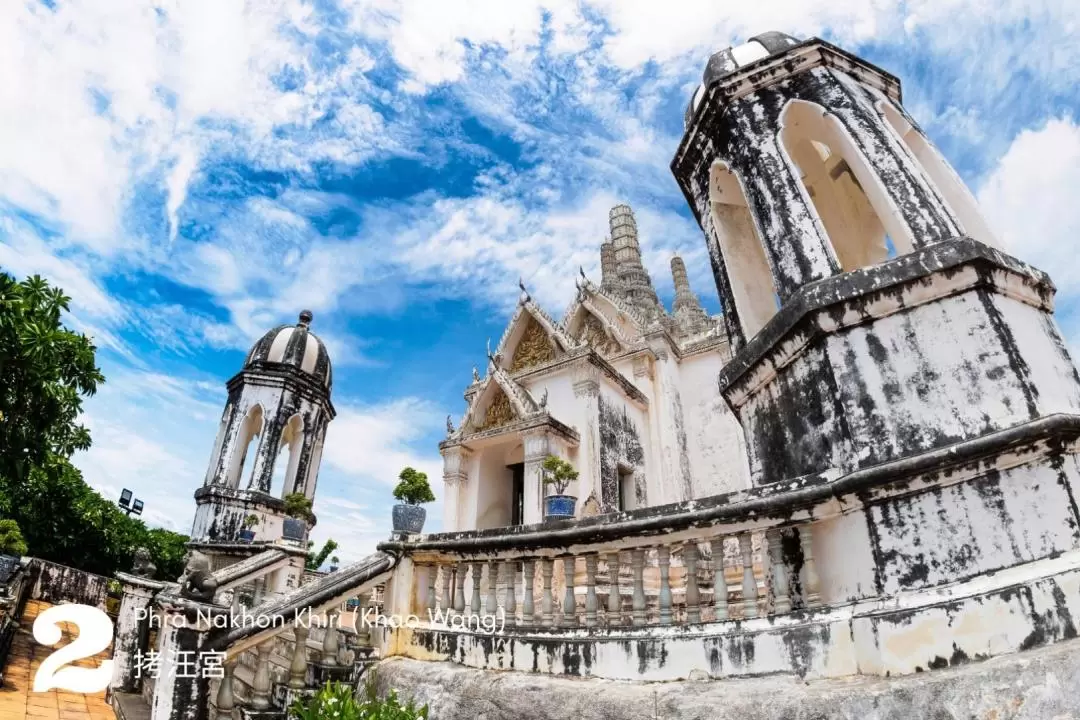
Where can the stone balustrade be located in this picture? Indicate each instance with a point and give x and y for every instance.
(632, 582)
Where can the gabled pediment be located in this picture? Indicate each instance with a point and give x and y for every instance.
(501, 401)
(531, 338)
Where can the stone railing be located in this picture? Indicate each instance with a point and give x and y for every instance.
(826, 575)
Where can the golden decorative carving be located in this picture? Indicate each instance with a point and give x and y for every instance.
(533, 348)
(593, 333)
(500, 412)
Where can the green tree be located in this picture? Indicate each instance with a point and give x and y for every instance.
(413, 488)
(45, 370)
(315, 560)
(11, 539)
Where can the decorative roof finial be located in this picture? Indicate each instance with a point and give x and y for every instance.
(449, 426)
(582, 271)
(475, 375)
(305, 318)
(525, 297)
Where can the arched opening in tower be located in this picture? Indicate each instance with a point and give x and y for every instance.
(246, 437)
(849, 197)
(940, 175)
(287, 457)
(739, 244)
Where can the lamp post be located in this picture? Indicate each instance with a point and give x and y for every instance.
(130, 504)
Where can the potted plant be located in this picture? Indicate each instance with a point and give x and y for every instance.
(334, 564)
(298, 512)
(247, 533)
(558, 474)
(412, 491)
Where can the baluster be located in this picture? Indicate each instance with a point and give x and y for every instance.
(547, 569)
(614, 601)
(781, 599)
(749, 583)
(298, 666)
(590, 589)
(663, 559)
(226, 700)
(720, 607)
(569, 609)
(459, 590)
(492, 607)
(431, 600)
(330, 639)
(260, 683)
(811, 591)
(693, 607)
(509, 599)
(474, 605)
(447, 596)
(527, 611)
(637, 562)
(363, 632)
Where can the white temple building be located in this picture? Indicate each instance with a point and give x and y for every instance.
(620, 387)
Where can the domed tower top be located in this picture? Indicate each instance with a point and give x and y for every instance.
(731, 59)
(293, 346)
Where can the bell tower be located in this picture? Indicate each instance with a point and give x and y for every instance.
(268, 446)
(872, 315)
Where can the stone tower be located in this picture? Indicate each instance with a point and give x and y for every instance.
(634, 280)
(690, 317)
(269, 444)
(872, 315)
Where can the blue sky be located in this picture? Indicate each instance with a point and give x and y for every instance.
(194, 173)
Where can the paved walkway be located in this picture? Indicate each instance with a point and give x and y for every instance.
(16, 700)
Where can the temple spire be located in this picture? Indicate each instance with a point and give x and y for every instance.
(689, 315)
(609, 277)
(635, 281)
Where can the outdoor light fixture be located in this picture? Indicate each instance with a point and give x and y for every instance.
(129, 504)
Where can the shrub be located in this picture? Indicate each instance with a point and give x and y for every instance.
(11, 539)
(298, 506)
(558, 472)
(336, 701)
(413, 488)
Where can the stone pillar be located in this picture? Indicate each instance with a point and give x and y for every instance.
(587, 388)
(537, 446)
(456, 462)
(674, 462)
(132, 624)
(186, 631)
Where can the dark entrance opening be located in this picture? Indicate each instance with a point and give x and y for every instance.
(517, 496)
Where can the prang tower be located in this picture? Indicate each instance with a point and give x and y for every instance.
(268, 446)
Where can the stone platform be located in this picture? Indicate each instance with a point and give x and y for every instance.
(1041, 684)
(17, 702)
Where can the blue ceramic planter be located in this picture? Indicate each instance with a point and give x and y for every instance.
(559, 507)
(409, 519)
(247, 535)
(293, 529)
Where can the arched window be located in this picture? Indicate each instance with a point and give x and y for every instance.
(747, 267)
(244, 448)
(862, 221)
(287, 457)
(940, 174)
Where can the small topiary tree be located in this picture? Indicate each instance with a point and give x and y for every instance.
(11, 539)
(251, 521)
(413, 488)
(558, 472)
(298, 506)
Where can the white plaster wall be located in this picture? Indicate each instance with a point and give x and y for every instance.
(714, 437)
(993, 522)
(843, 558)
(495, 492)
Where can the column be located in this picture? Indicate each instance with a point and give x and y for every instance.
(663, 559)
(298, 666)
(586, 379)
(131, 621)
(537, 447)
(187, 631)
(637, 562)
(590, 590)
(509, 601)
(569, 609)
(456, 464)
(780, 588)
(749, 583)
(528, 612)
(547, 569)
(693, 607)
(720, 590)
(810, 584)
(614, 602)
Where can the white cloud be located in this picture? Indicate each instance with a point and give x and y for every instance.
(1030, 201)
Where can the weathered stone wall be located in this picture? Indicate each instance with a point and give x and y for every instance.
(1036, 685)
(716, 449)
(54, 583)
